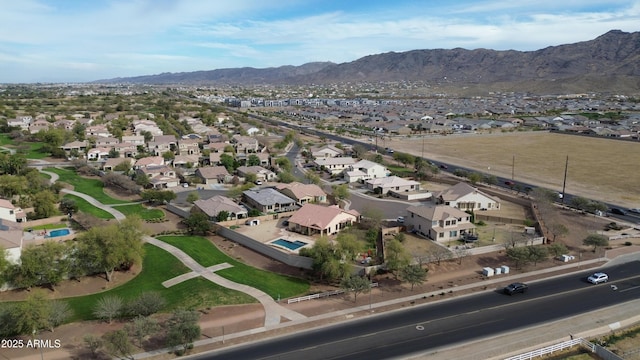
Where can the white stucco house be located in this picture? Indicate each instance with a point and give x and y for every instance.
(10, 212)
(391, 184)
(465, 197)
(365, 170)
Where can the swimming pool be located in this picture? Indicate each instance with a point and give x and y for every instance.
(291, 245)
(58, 232)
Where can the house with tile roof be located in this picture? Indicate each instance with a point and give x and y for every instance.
(303, 193)
(327, 151)
(312, 219)
(11, 240)
(268, 200)
(213, 175)
(10, 212)
(465, 197)
(160, 176)
(260, 172)
(148, 161)
(214, 205)
(441, 223)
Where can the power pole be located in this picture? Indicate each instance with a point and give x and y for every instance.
(513, 167)
(564, 182)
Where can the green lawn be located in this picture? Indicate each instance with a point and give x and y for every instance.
(206, 254)
(50, 226)
(142, 211)
(91, 187)
(35, 151)
(5, 140)
(85, 207)
(159, 266)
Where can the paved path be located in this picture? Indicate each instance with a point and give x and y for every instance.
(273, 311)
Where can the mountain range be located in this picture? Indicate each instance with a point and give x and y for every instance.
(608, 63)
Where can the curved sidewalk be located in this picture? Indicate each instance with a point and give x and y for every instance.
(273, 311)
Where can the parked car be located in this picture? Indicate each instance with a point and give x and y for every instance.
(443, 166)
(258, 182)
(509, 183)
(618, 211)
(635, 211)
(598, 278)
(515, 288)
(400, 219)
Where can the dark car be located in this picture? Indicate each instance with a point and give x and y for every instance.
(618, 211)
(509, 183)
(443, 166)
(516, 288)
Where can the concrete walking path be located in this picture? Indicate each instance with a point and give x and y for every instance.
(274, 312)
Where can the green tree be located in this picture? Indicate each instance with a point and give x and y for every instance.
(183, 329)
(94, 344)
(108, 308)
(59, 312)
(192, 197)
(396, 256)
(147, 303)
(5, 265)
(253, 160)
(596, 240)
(537, 254)
(223, 215)
(286, 177)
(197, 224)
(341, 191)
(118, 344)
(284, 164)
(39, 265)
(44, 204)
(348, 245)
(327, 264)
(474, 177)
(413, 274)
(110, 247)
(228, 162)
(68, 206)
(142, 327)
(32, 314)
(558, 249)
(168, 156)
(519, 256)
(355, 284)
(157, 196)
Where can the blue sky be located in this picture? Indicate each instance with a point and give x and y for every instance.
(86, 40)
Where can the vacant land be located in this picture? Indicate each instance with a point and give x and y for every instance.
(600, 169)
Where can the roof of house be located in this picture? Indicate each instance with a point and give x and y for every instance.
(10, 234)
(253, 170)
(366, 164)
(118, 161)
(150, 160)
(212, 172)
(318, 216)
(214, 205)
(438, 212)
(300, 190)
(391, 181)
(459, 190)
(268, 196)
(6, 204)
(335, 161)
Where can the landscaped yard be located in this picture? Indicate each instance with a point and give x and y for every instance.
(91, 187)
(85, 207)
(206, 254)
(159, 266)
(138, 209)
(50, 226)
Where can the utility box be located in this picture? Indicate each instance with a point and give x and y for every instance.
(498, 271)
(505, 269)
(567, 258)
(488, 272)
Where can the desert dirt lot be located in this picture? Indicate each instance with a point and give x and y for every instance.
(599, 169)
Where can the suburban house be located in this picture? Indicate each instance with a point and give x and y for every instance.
(365, 170)
(303, 193)
(110, 164)
(38, 125)
(188, 147)
(245, 144)
(98, 153)
(106, 141)
(11, 239)
(213, 175)
(162, 144)
(133, 139)
(314, 219)
(392, 184)
(268, 200)
(160, 176)
(97, 131)
(214, 205)
(465, 197)
(261, 173)
(440, 223)
(187, 162)
(77, 147)
(326, 151)
(334, 166)
(148, 161)
(10, 212)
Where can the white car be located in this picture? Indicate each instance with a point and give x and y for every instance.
(635, 211)
(598, 278)
(400, 219)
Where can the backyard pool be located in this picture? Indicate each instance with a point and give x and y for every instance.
(291, 245)
(58, 232)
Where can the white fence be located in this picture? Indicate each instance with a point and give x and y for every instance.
(320, 295)
(553, 348)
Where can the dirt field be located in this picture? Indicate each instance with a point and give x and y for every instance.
(600, 169)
